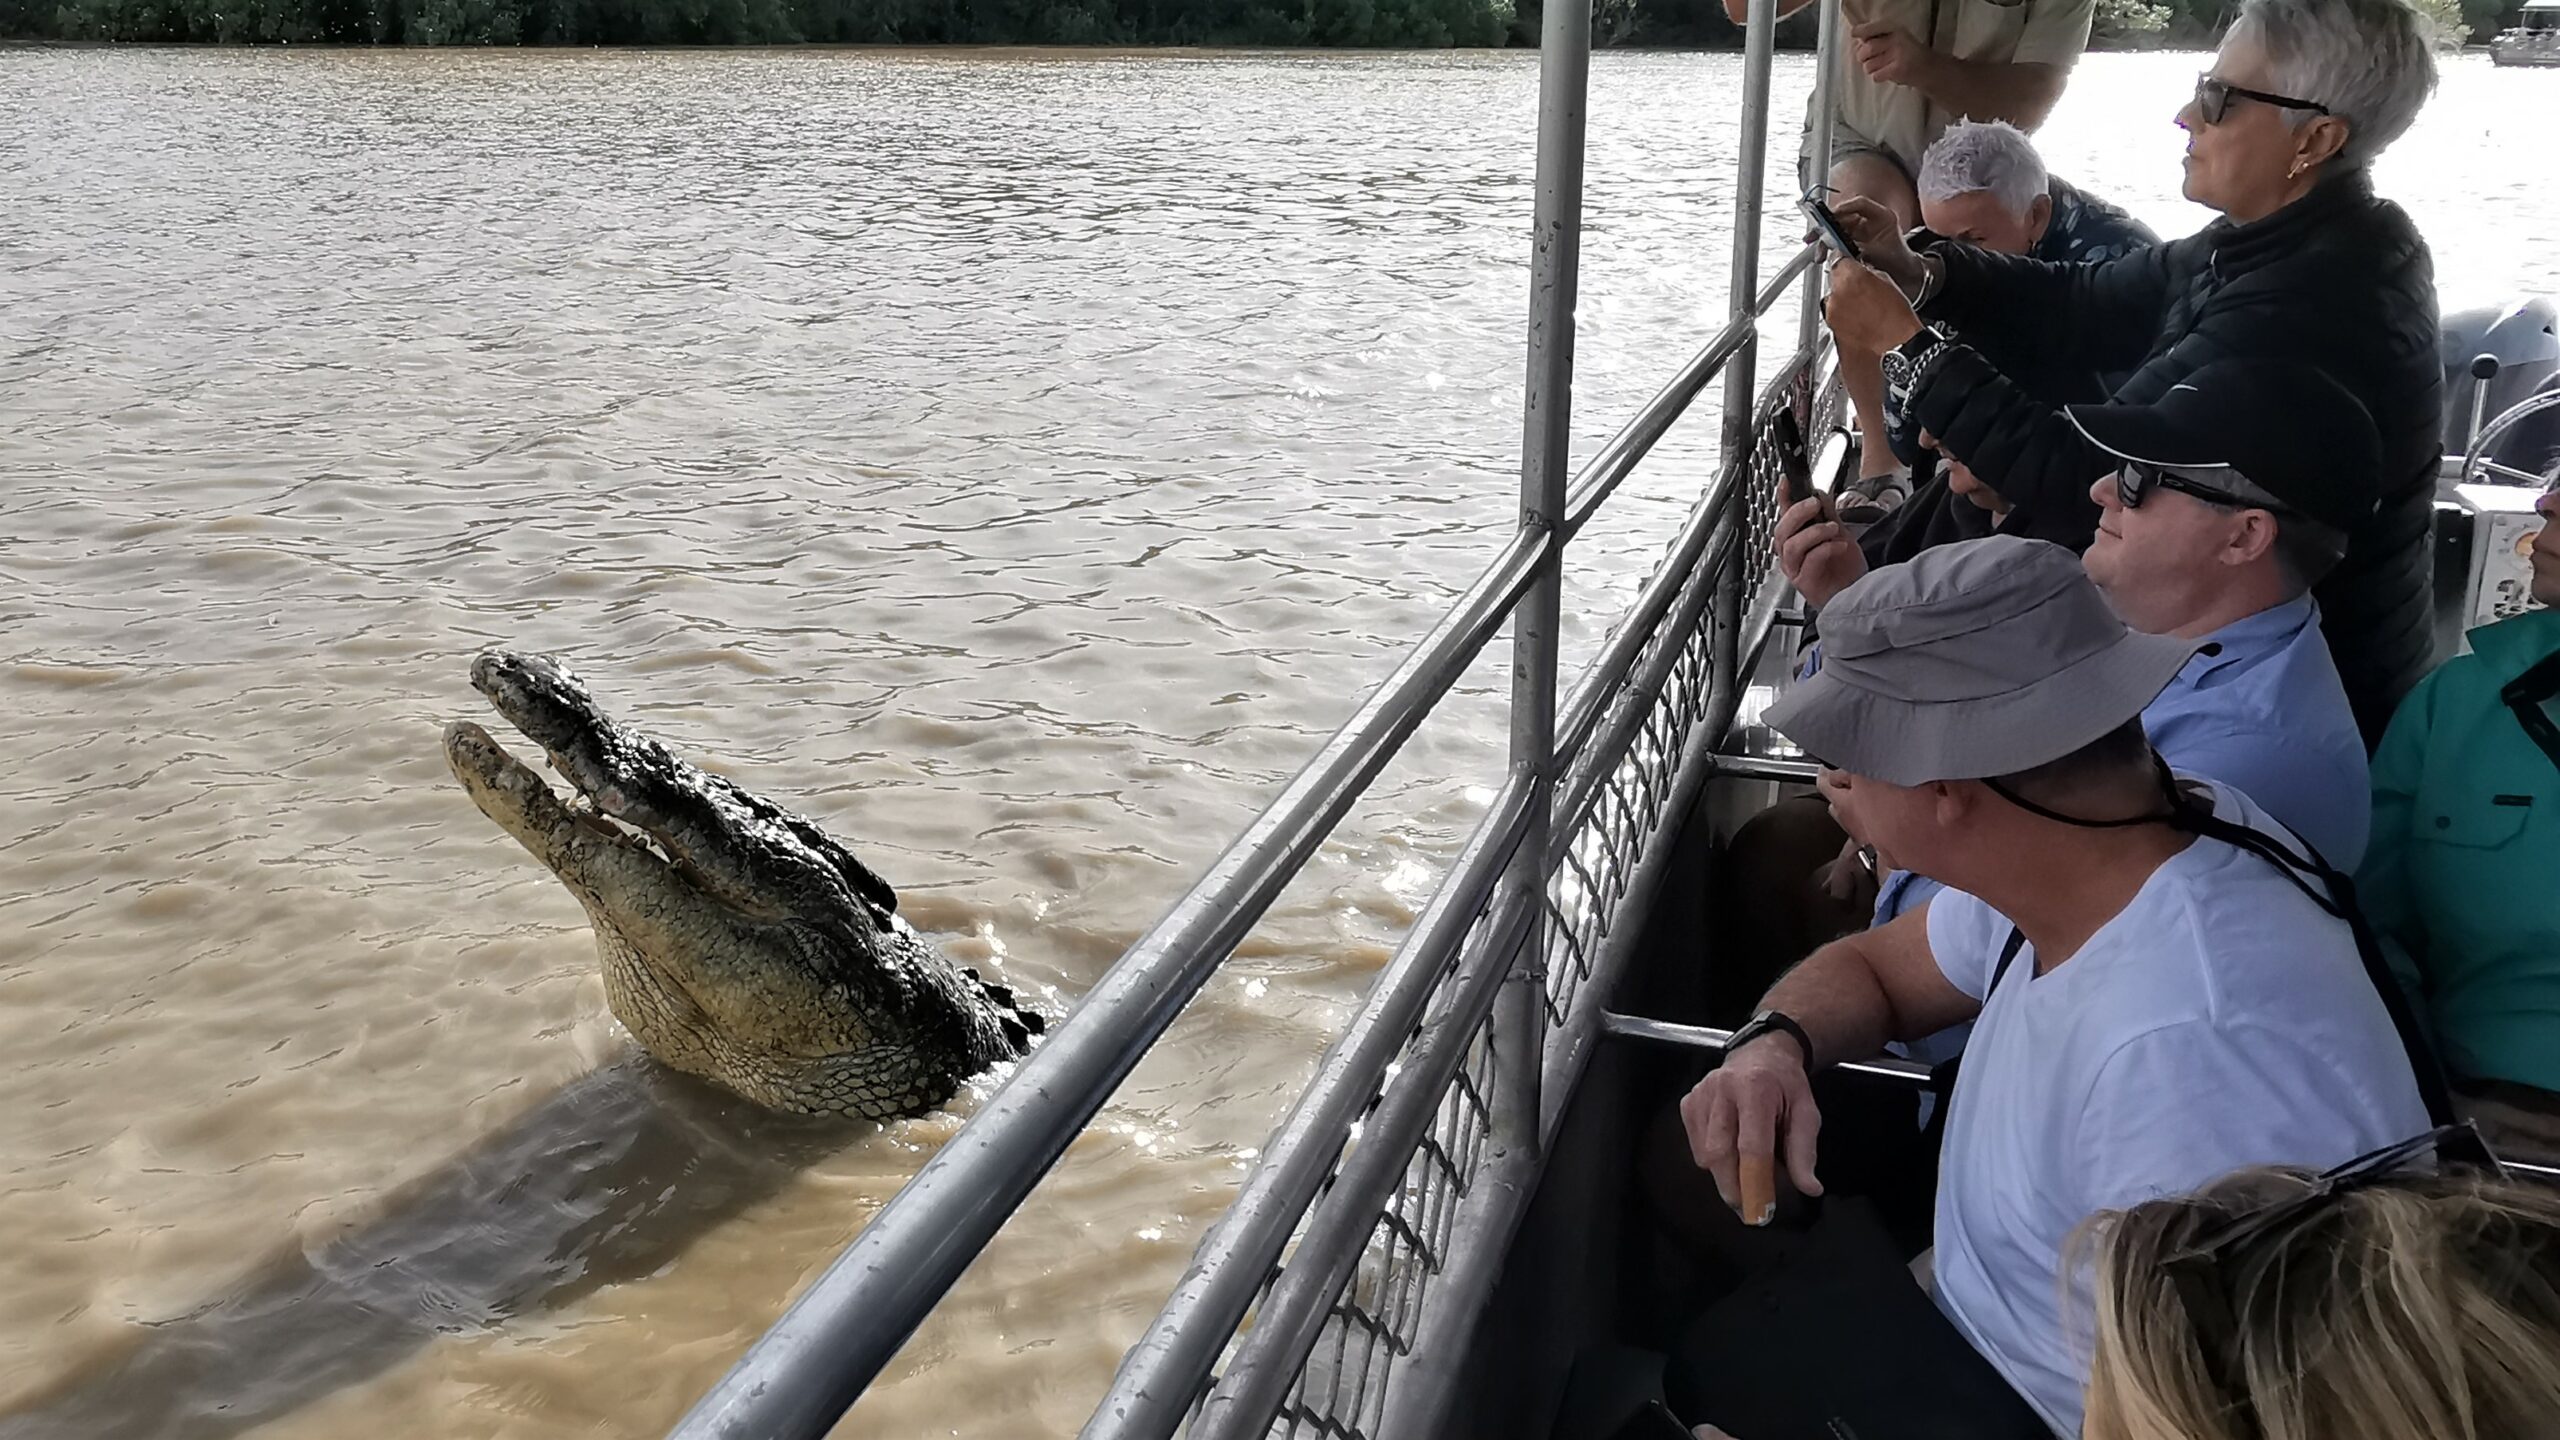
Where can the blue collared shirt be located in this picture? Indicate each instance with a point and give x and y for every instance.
(2265, 713)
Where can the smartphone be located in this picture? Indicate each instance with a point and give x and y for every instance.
(1795, 464)
(1654, 1422)
(1829, 226)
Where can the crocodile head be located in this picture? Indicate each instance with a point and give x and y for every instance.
(740, 942)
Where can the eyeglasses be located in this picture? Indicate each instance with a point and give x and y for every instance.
(2213, 97)
(2223, 1261)
(2137, 478)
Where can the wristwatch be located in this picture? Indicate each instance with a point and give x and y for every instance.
(1767, 1022)
(1904, 364)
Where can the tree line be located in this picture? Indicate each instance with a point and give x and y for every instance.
(1383, 23)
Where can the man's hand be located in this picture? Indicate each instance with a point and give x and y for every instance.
(1892, 55)
(1872, 224)
(1756, 1101)
(1853, 875)
(1867, 313)
(1815, 552)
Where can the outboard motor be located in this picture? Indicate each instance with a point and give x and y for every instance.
(2495, 357)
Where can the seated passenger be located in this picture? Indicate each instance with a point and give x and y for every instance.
(2223, 554)
(1982, 183)
(2463, 879)
(2306, 266)
(2270, 1305)
(2176, 1007)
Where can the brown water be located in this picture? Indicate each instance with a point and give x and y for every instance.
(1018, 462)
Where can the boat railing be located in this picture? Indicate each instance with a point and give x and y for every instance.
(1337, 1293)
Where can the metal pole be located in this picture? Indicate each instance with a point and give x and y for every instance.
(1546, 464)
(1817, 170)
(1712, 1042)
(1742, 376)
(1416, 1391)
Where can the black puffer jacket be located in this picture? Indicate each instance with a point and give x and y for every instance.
(2339, 279)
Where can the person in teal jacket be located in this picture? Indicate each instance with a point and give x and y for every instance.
(2463, 875)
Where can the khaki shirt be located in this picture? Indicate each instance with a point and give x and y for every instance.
(1899, 119)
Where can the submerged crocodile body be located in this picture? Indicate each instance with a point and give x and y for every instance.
(740, 942)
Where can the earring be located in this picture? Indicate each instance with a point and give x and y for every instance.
(2296, 172)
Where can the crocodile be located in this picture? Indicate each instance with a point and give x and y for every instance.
(739, 941)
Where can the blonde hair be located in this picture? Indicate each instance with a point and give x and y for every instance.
(2419, 1305)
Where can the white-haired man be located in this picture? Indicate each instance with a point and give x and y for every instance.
(1983, 183)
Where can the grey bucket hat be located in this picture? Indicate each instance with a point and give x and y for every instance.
(1981, 658)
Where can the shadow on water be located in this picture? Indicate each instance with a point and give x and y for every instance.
(605, 1181)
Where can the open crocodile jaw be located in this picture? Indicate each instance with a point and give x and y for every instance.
(740, 942)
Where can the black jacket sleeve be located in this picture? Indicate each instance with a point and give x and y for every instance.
(2029, 451)
(2098, 316)
(2025, 449)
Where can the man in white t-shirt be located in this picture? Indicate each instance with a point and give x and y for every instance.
(2176, 1008)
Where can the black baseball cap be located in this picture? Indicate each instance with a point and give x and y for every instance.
(2287, 428)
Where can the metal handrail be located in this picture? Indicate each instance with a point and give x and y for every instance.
(1630, 701)
(1712, 1042)
(1154, 1389)
(1600, 678)
(1569, 1052)
(1268, 1358)
(808, 1369)
(1595, 484)
(1617, 459)
(800, 1377)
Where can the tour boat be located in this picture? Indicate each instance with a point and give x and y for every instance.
(1438, 1226)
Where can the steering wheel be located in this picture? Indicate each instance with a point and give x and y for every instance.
(2477, 467)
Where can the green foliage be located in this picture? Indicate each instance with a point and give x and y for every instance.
(2119, 24)
(755, 22)
(2129, 24)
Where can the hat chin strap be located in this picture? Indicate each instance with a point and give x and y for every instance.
(2179, 807)
(2327, 886)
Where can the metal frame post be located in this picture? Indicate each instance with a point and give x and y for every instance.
(1742, 376)
(1826, 73)
(1417, 1391)
(1546, 464)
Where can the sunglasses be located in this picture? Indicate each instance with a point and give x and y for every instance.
(2213, 97)
(2224, 1261)
(2137, 478)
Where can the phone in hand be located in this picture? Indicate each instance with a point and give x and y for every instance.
(1828, 225)
(1795, 462)
(1654, 1422)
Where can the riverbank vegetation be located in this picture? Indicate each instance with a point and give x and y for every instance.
(1387, 23)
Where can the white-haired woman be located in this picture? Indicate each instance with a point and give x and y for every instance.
(2305, 264)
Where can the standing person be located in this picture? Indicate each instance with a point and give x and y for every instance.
(2464, 876)
(2306, 266)
(1909, 69)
